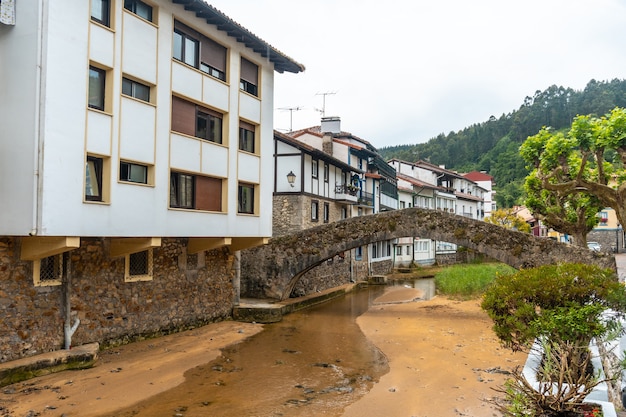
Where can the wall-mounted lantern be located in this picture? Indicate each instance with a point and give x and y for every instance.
(291, 178)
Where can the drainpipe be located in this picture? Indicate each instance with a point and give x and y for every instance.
(237, 277)
(39, 117)
(69, 329)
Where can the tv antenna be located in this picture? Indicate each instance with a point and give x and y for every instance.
(291, 110)
(328, 93)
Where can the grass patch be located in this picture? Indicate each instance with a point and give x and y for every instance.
(468, 280)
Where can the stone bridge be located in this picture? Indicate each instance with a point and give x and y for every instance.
(274, 269)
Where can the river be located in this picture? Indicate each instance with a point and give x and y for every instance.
(314, 362)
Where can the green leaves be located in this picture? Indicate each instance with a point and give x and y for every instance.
(563, 302)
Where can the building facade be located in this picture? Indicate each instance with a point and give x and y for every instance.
(425, 185)
(135, 162)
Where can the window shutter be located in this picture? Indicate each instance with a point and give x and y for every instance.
(213, 54)
(249, 72)
(183, 116)
(208, 193)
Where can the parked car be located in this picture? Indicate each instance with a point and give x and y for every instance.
(594, 246)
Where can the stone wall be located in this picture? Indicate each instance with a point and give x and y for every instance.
(609, 240)
(186, 291)
(292, 213)
(382, 267)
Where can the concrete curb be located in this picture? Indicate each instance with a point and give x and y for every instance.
(80, 357)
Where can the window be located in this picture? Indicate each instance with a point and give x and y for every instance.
(246, 199)
(402, 204)
(93, 178)
(138, 266)
(97, 78)
(213, 57)
(140, 8)
(133, 172)
(193, 120)
(344, 212)
(246, 137)
(358, 255)
(408, 250)
(186, 48)
(195, 192)
(314, 168)
(398, 250)
(50, 271)
(326, 172)
(314, 211)
(249, 77)
(326, 212)
(195, 49)
(101, 12)
(135, 89)
(208, 126)
(182, 187)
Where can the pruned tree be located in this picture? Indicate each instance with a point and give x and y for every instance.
(575, 214)
(590, 158)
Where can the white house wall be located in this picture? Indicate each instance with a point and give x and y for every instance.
(19, 120)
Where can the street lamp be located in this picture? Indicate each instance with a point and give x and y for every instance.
(291, 178)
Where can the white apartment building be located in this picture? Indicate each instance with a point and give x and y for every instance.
(126, 124)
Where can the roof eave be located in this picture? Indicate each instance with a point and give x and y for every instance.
(282, 63)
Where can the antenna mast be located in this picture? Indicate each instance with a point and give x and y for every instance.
(328, 93)
(291, 110)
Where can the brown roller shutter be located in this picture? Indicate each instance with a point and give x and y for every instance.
(213, 54)
(208, 194)
(249, 72)
(183, 116)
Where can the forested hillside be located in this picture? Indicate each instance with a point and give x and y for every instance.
(493, 145)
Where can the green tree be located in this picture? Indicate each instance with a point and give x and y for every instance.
(574, 214)
(506, 218)
(589, 158)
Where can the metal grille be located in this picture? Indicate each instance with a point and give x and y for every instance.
(139, 264)
(52, 269)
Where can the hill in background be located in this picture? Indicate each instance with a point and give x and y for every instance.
(493, 146)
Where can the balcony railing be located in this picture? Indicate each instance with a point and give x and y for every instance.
(346, 192)
(366, 199)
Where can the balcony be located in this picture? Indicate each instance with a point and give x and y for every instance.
(365, 199)
(346, 193)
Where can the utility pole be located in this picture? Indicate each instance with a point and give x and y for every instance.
(328, 93)
(291, 110)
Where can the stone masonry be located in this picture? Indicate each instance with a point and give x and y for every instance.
(274, 270)
(186, 291)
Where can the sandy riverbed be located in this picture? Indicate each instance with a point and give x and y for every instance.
(442, 356)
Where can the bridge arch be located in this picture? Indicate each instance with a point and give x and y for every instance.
(277, 266)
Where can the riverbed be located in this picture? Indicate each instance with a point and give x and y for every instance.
(442, 359)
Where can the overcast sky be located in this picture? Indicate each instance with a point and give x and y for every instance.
(403, 71)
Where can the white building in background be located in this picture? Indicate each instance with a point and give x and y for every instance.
(486, 182)
(425, 185)
(134, 121)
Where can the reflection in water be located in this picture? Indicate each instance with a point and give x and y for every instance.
(427, 285)
(313, 362)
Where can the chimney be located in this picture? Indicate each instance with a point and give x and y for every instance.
(330, 126)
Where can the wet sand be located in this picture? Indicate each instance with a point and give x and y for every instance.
(444, 361)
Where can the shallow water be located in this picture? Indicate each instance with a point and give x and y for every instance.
(314, 362)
